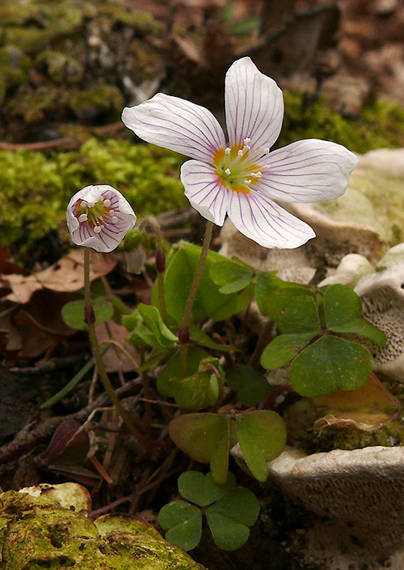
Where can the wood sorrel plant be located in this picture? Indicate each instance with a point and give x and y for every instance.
(240, 176)
(99, 217)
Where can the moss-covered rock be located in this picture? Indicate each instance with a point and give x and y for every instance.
(68, 60)
(37, 532)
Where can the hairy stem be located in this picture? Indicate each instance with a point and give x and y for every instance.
(90, 320)
(192, 294)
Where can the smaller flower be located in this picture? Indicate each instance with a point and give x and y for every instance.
(99, 217)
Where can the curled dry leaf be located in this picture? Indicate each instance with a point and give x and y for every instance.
(115, 360)
(368, 408)
(64, 276)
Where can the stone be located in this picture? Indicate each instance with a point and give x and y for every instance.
(360, 492)
(357, 497)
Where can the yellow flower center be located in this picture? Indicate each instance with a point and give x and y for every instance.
(93, 214)
(234, 168)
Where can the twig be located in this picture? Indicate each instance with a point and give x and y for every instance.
(64, 142)
(26, 439)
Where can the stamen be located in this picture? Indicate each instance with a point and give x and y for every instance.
(227, 171)
(97, 229)
(247, 140)
(107, 203)
(114, 219)
(247, 181)
(240, 152)
(266, 150)
(227, 150)
(90, 204)
(83, 218)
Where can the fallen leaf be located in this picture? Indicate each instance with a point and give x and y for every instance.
(368, 408)
(6, 264)
(115, 360)
(66, 276)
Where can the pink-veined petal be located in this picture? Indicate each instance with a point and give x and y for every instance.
(176, 124)
(204, 191)
(254, 106)
(265, 222)
(307, 171)
(115, 225)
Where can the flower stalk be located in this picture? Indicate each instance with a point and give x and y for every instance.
(184, 329)
(90, 320)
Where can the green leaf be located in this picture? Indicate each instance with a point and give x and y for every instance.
(250, 386)
(201, 489)
(231, 275)
(209, 301)
(73, 313)
(183, 523)
(262, 437)
(283, 348)
(154, 359)
(173, 369)
(231, 516)
(244, 298)
(154, 322)
(206, 438)
(203, 339)
(227, 533)
(267, 283)
(294, 310)
(343, 309)
(198, 391)
(330, 364)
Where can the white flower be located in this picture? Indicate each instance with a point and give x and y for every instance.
(99, 217)
(240, 177)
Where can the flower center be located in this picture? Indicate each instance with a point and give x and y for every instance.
(95, 214)
(235, 169)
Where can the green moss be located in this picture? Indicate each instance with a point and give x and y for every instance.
(97, 100)
(59, 41)
(36, 187)
(60, 67)
(34, 105)
(141, 21)
(14, 65)
(342, 438)
(378, 126)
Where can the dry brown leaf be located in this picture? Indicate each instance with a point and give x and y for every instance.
(39, 327)
(6, 264)
(115, 360)
(368, 408)
(65, 276)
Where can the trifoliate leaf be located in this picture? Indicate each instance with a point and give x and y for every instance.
(230, 518)
(343, 308)
(231, 275)
(250, 386)
(201, 489)
(262, 437)
(283, 348)
(206, 438)
(330, 364)
(183, 523)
